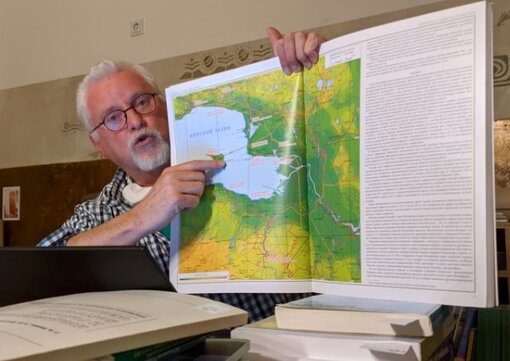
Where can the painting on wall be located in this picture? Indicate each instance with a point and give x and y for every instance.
(11, 203)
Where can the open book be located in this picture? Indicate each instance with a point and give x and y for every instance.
(88, 325)
(369, 174)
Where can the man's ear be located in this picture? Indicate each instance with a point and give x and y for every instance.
(97, 143)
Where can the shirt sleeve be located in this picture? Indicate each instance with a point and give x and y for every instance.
(57, 238)
(95, 212)
(86, 216)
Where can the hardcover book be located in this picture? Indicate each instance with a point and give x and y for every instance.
(333, 313)
(369, 174)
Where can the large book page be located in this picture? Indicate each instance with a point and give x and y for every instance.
(84, 326)
(250, 231)
(397, 154)
(426, 175)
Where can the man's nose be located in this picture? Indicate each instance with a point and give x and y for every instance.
(135, 120)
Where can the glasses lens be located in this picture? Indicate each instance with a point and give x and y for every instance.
(115, 120)
(144, 104)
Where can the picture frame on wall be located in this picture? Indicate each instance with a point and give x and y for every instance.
(11, 203)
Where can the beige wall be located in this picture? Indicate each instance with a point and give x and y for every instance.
(45, 40)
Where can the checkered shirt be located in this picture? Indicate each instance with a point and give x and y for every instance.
(110, 203)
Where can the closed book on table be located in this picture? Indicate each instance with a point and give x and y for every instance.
(333, 313)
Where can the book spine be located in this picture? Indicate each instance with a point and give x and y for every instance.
(471, 345)
(469, 321)
(439, 316)
(445, 351)
(442, 336)
(505, 333)
(488, 341)
(460, 315)
(179, 350)
(159, 351)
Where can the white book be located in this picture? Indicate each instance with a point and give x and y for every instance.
(89, 325)
(334, 313)
(369, 175)
(269, 343)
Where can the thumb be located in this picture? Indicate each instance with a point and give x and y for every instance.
(274, 35)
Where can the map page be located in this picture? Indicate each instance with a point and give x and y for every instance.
(251, 230)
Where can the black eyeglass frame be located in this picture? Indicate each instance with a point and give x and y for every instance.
(103, 122)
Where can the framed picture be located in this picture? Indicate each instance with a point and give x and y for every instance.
(11, 203)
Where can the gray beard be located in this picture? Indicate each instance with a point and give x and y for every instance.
(148, 163)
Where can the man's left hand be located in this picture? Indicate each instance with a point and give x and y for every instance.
(295, 50)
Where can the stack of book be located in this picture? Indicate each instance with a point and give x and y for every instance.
(330, 327)
(501, 217)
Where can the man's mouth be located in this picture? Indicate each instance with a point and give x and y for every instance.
(144, 140)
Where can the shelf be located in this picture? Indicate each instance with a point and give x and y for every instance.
(503, 256)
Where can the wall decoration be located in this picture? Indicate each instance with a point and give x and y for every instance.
(72, 125)
(210, 62)
(11, 203)
(501, 62)
(503, 17)
(501, 71)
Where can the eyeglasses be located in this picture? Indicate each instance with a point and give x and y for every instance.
(116, 120)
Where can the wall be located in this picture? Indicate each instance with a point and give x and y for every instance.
(48, 195)
(55, 39)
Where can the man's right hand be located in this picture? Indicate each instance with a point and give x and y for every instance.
(179, 188)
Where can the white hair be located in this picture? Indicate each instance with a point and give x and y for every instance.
(100, 71)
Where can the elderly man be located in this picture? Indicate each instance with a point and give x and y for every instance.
(125, 114)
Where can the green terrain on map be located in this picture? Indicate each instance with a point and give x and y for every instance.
(311, 229)
(333, 156)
